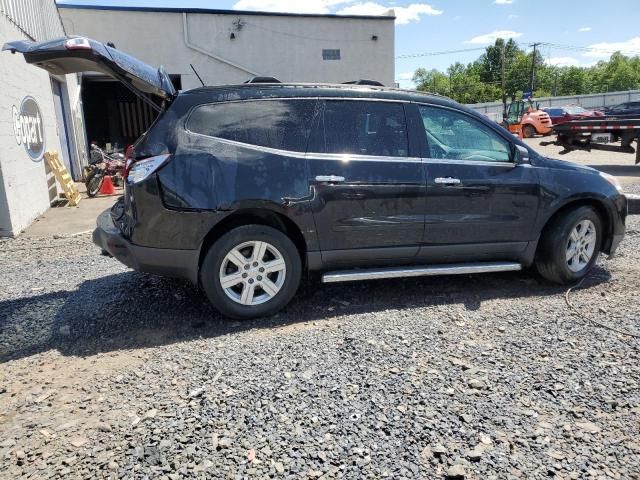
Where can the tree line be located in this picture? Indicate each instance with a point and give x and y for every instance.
(504, 70)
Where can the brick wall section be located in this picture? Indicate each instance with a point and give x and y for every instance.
(24, 191)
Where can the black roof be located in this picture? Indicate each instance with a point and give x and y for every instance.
(278, 90)
(218, 11)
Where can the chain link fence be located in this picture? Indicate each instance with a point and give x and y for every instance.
(592, 101)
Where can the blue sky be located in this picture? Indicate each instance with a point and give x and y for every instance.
(582, 32)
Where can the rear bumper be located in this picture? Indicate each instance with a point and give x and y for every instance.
(160, 261)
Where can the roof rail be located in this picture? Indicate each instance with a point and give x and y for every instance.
(363, 81)
(263, 80)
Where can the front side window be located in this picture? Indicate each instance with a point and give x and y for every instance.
(455, 136)
(362, 128)
(281, 124)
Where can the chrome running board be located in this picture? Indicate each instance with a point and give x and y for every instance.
(419, 271)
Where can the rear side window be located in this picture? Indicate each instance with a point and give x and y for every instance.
(361, 127)
(280, 124)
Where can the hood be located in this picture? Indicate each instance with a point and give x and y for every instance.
(564, 165)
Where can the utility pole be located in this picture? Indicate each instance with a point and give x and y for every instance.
(532, 82)
(504, 83)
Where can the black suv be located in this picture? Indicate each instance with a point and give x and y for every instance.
(629, 108)
(243, 188)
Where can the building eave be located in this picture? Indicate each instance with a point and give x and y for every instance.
(213, 11)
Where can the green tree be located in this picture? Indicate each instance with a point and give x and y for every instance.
(504, 63)
(618, 73)
(572, 81)
(432, 81)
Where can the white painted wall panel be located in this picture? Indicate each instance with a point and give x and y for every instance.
(288, 48)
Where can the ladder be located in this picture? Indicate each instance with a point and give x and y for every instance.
(63, 178)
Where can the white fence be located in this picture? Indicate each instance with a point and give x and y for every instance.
(38, 19)
(593, 101)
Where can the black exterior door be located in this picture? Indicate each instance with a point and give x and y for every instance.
(368, 191)
(479, 203)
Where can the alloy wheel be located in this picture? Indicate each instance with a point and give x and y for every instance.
(252, 273)
(581, 245)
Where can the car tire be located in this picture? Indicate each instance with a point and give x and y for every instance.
(567, 251)
(251, 271)
(529, 131)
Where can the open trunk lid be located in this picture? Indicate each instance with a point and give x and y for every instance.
(80, 54)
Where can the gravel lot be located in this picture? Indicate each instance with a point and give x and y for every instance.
(620, 165)
(110, 373)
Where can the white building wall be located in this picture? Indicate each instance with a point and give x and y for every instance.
(26, 187)
(286, 47)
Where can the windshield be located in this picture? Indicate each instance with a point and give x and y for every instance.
(576, 110)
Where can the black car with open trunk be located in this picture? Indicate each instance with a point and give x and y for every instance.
(243, 189)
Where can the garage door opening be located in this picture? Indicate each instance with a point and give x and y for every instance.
(114, 116)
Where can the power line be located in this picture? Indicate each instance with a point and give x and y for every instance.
(555, 46)
(433, 54)
(587, 49)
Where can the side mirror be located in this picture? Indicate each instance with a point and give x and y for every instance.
(521, 155)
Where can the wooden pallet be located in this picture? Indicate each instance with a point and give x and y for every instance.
(63, 178)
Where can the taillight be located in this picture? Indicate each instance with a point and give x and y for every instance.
(78, 43)
(141, 169)
(128, 160)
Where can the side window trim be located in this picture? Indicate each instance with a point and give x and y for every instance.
(251, 146)
(262, 148)
(498, 163)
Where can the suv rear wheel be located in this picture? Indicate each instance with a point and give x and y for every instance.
(251, 271)
(570, 246)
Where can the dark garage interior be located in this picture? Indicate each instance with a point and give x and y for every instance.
(113, 114)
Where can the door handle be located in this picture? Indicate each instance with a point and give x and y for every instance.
(329, 178)
(447, 181)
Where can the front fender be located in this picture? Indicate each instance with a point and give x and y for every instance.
(564, 185)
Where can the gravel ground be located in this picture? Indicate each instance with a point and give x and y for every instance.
(110, 373)
(620, 165)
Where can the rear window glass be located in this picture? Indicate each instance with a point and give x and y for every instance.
(361, 127)
(280, 124)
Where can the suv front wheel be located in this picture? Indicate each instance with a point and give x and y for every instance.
(251, 271)
(570, 246)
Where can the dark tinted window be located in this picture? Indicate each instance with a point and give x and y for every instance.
(361, 127)
(281, 124)
(554, 112)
